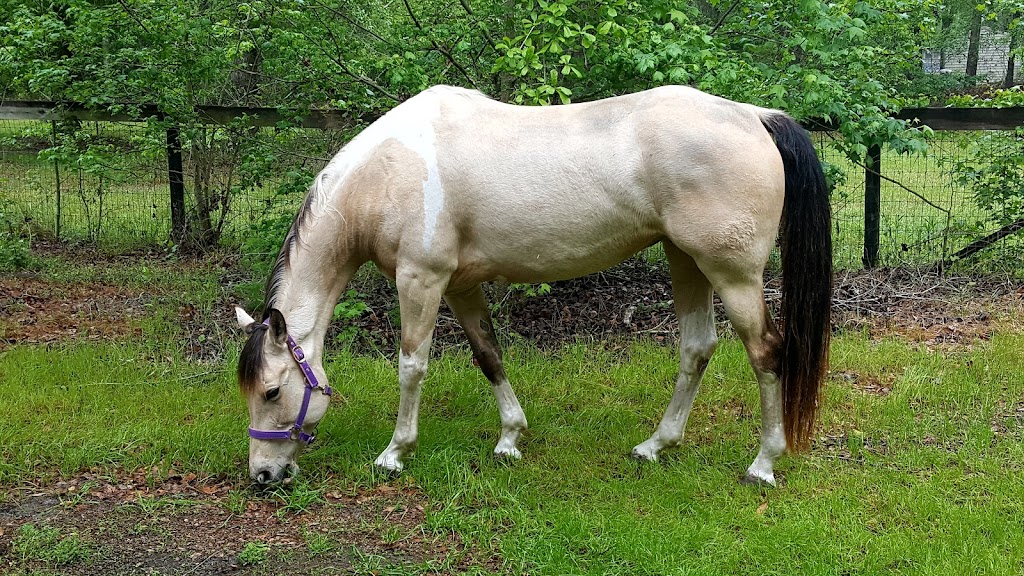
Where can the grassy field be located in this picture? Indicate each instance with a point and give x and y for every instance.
(912, 231)
(918, 472)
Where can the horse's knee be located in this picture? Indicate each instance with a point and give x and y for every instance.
(694, 355)
(411, 368)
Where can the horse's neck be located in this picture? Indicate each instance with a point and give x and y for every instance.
(308, 291)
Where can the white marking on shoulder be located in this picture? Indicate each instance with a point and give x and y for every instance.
(417, 134)
(412, 124)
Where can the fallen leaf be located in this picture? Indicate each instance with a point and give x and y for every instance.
(762, 507)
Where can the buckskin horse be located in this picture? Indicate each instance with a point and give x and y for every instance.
(451, 189)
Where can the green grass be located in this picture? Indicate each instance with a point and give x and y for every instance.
(911, 230)
(131, 213)
(915, 481)
(254, 554)
(129, 208)
(48, 546)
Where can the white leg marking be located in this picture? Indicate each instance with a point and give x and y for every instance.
(411, 371)
(673, 424)
(773, 439)
(698, 340)
(513, 420)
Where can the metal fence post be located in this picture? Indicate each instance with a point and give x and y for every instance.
(176, 182)
(872, 205)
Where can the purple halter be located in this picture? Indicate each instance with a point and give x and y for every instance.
(295, 433)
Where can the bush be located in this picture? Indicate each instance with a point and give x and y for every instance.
(14, 252)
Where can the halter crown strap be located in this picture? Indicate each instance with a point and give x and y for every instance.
(296, 433)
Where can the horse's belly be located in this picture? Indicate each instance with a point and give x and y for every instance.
(546, 251)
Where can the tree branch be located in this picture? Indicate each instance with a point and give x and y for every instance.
(724, 16)
(983, 243)
(901, 185)
(333, 57)
(133, 16)
(447, 55)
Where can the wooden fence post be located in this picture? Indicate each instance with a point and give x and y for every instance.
(176, 182)
(872, 205)
(56, 175)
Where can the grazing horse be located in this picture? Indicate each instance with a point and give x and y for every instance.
(451, 189)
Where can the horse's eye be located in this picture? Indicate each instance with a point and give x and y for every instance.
(272, 394)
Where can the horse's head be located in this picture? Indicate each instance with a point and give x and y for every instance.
(287, 396)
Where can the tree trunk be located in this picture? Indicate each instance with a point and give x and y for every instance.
(974, 44)
(1011, 59)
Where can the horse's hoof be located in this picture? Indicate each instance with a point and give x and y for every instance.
(388, 465)
(756, 479)
(508, 454)
(644, 455)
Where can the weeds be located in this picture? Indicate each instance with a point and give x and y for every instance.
(254, 554)
(298, 497)
(236, 502)
(46, 545)
(318, 543)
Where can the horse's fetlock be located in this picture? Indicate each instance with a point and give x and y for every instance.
(516, 425)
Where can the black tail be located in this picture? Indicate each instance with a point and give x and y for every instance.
(806, 241)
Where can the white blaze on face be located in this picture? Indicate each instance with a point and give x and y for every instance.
(418, 135)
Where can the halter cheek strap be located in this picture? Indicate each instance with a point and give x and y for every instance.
(296, 433)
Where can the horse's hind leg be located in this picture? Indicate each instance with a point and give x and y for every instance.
(470, 308)
(743, 297)
(697, 342)
(419, 296)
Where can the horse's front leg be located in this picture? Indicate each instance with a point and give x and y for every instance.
(419, 296)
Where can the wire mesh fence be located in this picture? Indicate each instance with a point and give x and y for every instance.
(107, 183)
(928, 209)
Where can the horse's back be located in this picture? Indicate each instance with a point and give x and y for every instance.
(543, 193)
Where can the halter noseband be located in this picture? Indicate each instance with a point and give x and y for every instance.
(295, 433)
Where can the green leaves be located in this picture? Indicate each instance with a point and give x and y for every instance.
(993, 167)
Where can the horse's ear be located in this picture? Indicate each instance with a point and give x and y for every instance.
(244, 320)
(278, 330)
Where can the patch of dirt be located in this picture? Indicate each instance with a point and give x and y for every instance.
(131, 525)
(945, 313)
(866, 383)
(34, 311)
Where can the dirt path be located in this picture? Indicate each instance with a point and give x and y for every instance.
(91, 525)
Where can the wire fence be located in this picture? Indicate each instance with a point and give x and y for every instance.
(107, 183)
(111, 186)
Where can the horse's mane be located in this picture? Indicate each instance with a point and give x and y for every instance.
(290, 240)
(250, 361)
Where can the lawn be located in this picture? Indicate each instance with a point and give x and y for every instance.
(916, 467)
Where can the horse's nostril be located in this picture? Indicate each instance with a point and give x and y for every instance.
(264, 477)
